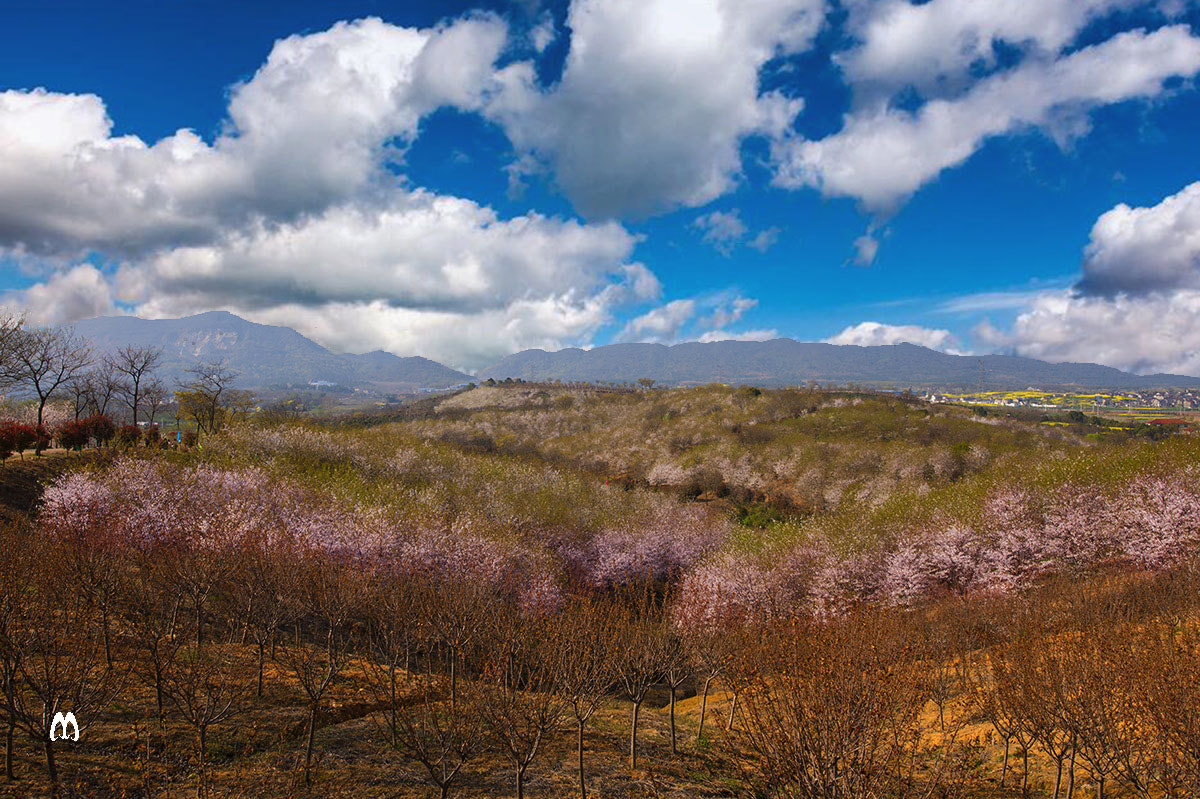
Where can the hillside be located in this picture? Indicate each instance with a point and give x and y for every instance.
(786, 362)
(745, 558)
(264, 355)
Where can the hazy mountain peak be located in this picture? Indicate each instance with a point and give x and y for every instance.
(790, 362)
(263, 354)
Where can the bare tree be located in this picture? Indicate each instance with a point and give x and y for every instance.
(152, 603)
(458, 611)
(588, 634)
(81, 390)
(135, 365)
(987, 698)
(59, 657)
(12, 329)
(154, 397)
(207, 395)
(205, 690)
(46, 359)
(520, 703)
(644, 650)
(1041, 700)
(394, 622)
(677, 669)
(257, 589)
(1165, 745)
(105, 382)
(441, 736)
(826, 707)
(324, 598)
(709, 651)
(12, 589)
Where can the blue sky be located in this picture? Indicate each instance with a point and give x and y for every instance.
(462, 180)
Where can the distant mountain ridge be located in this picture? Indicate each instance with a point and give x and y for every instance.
(263, 355)
(788, 362)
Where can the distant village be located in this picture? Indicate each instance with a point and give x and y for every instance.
(1164, 399)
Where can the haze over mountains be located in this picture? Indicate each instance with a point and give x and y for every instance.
(787, 362)
(267, 355)
(264, 355)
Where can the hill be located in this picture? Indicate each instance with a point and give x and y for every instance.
(786, 362)
(264, 355)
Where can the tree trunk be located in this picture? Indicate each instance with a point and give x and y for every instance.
(1004, 765)
(308, 747)
(582, 784)
(199, 624)
(158, 692)
(1058, 778)
(51, 768)
(732, 710)
(108, 659)
(637, 706)
(520, 782)
(1025, 771)
(1071, 774)
(674, 749)
(703, 708)
(392, 704)
(203, 732)
(262, 655)
(10, 733)
(9, 770)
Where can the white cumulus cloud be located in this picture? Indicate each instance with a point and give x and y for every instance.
(1137, 250)
(662, 324)
(873, 334)
(935, 46)
(296, 212)
(1137, 306)
(1148, 334)
(655, 99)
(884, 154)
(703, 319)
(65, 297)
(315, 126)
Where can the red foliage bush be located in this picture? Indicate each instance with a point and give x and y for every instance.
(129, 435)
(73, 434)
(100, 429)
(16, 437)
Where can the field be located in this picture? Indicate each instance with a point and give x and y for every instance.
(1132, 408)
(545, 590)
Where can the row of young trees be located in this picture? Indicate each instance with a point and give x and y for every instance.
(50, 364)
(1091, 685)
(457, 671)
(206, 594)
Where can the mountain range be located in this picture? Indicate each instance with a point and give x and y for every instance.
(268, 355)
(263, 355)
(787, 362)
